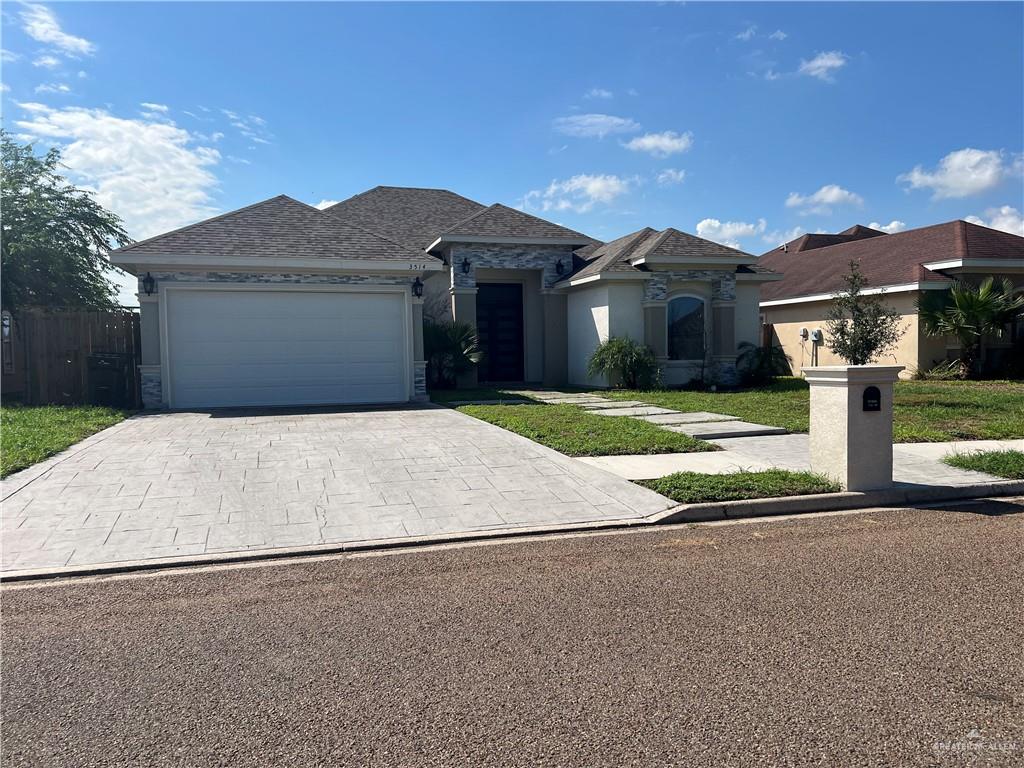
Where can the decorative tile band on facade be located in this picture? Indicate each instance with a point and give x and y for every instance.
(283, 278)
(508, 257)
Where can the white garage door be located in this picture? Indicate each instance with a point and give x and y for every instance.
(267, 347)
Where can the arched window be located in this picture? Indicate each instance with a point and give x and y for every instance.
(686, 328)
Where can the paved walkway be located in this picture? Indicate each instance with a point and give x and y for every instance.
(913, 463)
(170, 485)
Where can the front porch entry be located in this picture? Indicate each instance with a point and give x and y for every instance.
(499, 322)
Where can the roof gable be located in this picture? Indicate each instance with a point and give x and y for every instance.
(671, 244)
(411, 216)
(500, 221)
(280, 227)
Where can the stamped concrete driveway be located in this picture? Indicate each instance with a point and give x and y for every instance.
(173, 485)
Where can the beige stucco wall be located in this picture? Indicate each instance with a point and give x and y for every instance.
(748, 313)
(914, 349)
(588, 324)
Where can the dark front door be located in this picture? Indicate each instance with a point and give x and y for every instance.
(499, 321)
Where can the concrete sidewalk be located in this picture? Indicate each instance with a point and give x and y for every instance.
(913, 463)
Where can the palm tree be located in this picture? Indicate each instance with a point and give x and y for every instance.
(450, 349)
(971, 312)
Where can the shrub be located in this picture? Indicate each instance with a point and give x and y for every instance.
(626, 363)
(948, 371)
(760, 365)
(450, 349)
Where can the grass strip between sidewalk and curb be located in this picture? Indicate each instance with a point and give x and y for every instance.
(573, 431)
(29, 434)
(699, 488)
(1008, 464)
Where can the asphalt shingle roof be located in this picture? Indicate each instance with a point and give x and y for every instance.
(616, 255)
(411, 216)
(276, 228)
(501, 221)
(884, 260)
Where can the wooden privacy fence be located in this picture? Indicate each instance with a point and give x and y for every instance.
(45, 354)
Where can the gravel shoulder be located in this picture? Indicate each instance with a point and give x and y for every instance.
(851, 639)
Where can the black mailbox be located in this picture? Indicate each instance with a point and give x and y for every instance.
(872, 399)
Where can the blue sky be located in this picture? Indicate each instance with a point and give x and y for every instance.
(745, 123)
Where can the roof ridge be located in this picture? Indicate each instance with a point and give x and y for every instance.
(218, 217)
(394, 186)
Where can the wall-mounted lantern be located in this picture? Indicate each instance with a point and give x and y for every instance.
(465, 265)
(148, 284)
(417, 288)
(560, 267)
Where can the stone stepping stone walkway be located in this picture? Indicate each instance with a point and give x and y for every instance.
(703, 425)
(697, 417)
(719, 429)
(636, 411)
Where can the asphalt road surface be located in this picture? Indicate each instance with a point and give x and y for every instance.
(881, 638)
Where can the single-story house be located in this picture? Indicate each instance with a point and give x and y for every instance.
(280, 303)
(901, 266)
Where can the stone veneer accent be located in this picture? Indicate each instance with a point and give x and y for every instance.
(298, 278)
(723, 283)
(152, 387)
(419, 379)
(543, 258)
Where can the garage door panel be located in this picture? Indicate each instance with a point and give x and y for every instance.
(266, 347)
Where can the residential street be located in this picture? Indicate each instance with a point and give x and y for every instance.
(854, 639)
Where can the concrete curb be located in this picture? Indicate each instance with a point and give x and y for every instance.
(832, 502)
(683, 513)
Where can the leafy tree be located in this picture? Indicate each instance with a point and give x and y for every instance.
(971, 312)
(450, 349)
(625, 362)
(860, 328)
(55, 236)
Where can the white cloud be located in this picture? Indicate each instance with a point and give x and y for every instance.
(778, 34)
(891, 228)
(46, 61)
(771, 74)
(149, 105)
(252, 127)
(661, 144)
(821, 201)
(632, 92)
(53, 88)
(671, 176)
(4, 87)
(962, 173)
(748, 33)
(595, 125)
(40, 23)
(579, 193)
(8, 56)
(824, 65)
(325, 204)
(778, 237)
(1004, 218)
(598, 93)
(150, 173)
(729, 232)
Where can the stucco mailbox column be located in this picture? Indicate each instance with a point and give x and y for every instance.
(851, 424)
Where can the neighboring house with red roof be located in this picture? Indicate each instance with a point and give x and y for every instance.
(901, 266)
(280, 303)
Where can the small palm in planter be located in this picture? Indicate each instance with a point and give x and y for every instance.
(450, 349)
(626, 363)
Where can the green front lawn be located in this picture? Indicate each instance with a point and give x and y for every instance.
(697, 488)
(1008, 464)
(925, 411)
(29, 434)
(573, 431)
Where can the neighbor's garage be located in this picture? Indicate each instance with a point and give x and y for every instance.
(261, 346)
